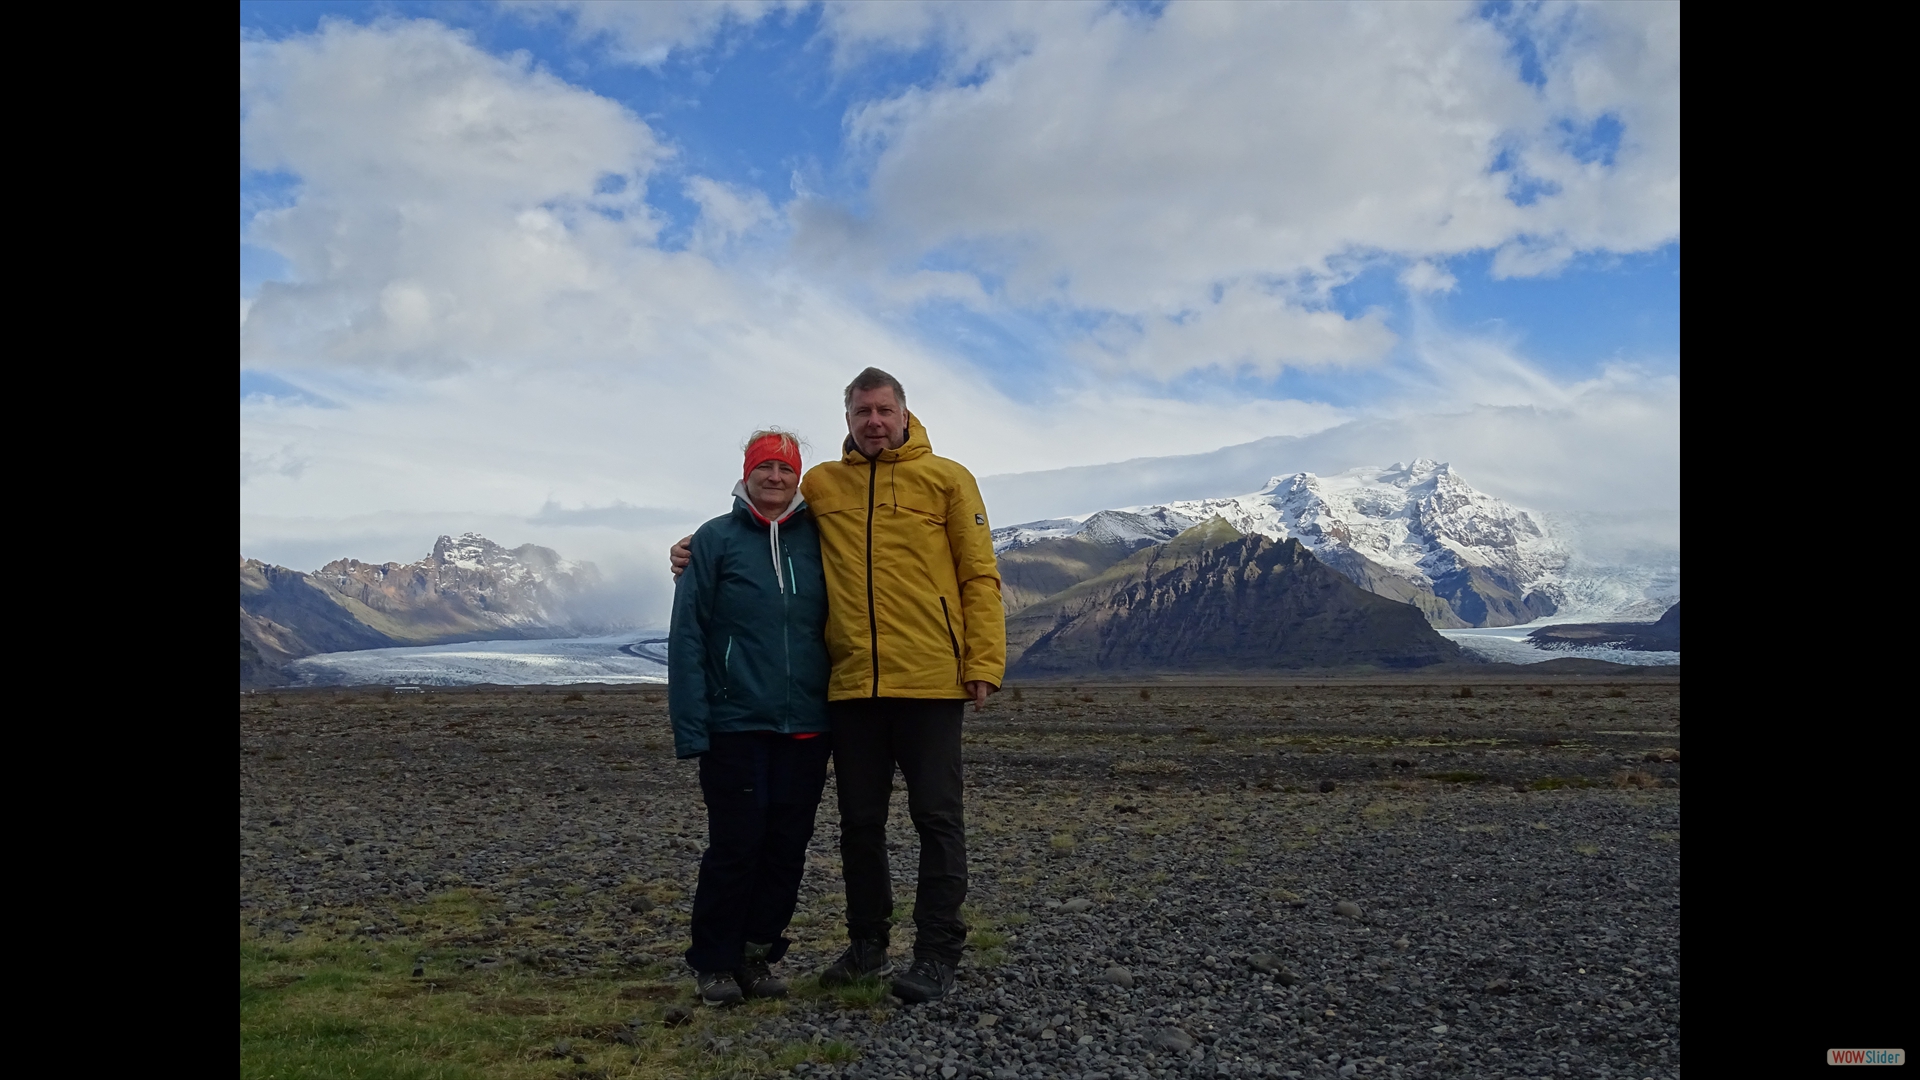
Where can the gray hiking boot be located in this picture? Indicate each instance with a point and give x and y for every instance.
(716, 988)
(862, 960)
(756, 980)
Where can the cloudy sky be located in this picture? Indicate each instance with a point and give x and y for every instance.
(536, 269)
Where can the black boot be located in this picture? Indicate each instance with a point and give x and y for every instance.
(755, 978)
(716, 988)
(928, 980)
(862, 960)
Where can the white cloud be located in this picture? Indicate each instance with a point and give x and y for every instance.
(727, 213)
(480, 222)
(1249, 329)
(971, 34)
(1607, 449)
(646, 32)
(1137, 165)
(1424, 277)
(452, 205)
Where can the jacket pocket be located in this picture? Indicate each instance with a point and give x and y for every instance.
(726, 669)
(947, 615)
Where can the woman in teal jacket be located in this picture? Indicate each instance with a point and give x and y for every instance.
(747, 692)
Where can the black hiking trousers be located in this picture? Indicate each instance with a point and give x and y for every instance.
(761, 790)
(922, 737)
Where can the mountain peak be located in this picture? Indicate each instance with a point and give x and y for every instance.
(468, 589)
(1213, 599)
(1415, 531)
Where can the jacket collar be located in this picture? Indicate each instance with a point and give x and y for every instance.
(917, 445)
(743, 505)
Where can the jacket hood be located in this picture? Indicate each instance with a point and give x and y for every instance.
(917, 445)
(744, 502)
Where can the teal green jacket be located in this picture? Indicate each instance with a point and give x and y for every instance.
(748, 649)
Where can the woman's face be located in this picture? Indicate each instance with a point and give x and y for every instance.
(770, 486)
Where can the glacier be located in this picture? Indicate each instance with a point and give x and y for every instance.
(628, 658)
(1509, 645)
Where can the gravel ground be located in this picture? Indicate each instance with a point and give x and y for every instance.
(1331, 879)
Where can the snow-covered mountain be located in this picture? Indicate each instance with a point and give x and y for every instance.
(524, 588)
(1417, 533)
(468, 589)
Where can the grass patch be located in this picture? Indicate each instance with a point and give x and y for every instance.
(1381, 812)
(989, 948)
(349, 1009)
(858, 994)
(1555, 783)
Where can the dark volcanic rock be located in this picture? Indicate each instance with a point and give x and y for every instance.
(1214, 600)
(1661, 636)
(1547, 881)
(285, 615)
(1029, 573)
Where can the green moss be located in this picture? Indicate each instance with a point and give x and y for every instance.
(1555, 783)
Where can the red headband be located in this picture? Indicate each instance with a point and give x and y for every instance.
(771, 448)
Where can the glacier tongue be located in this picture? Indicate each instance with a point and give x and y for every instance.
(1419, 522)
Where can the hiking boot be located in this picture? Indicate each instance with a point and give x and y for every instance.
(716, 988)
(755, 979)
(928, 980)
(862, 960)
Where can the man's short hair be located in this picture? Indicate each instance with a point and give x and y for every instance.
(873, 379)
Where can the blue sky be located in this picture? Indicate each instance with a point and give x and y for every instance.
(1086, 232)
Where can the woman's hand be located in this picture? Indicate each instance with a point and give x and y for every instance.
(680, 555)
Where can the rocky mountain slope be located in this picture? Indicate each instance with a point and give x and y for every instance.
(1215, 600)
(468, 589)
(1660, 636)
(1415, 533)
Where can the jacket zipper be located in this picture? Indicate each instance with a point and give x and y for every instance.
(786, 631)
(726, 667)
(873, 619)
(954, 641)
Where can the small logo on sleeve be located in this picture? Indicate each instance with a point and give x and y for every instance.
(979, 519)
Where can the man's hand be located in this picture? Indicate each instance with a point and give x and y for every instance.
(980, 688)
(681, 555)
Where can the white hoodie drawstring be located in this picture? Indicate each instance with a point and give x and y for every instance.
(773, 544)
(773, 530)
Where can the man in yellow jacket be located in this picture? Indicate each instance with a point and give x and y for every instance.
(915, 629)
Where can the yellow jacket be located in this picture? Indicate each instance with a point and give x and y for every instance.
(913, 591)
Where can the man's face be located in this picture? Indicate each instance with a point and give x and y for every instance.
(876, 421)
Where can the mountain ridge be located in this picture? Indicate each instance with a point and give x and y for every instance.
(1417, 533)
(1214, 599)
(467, 589)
